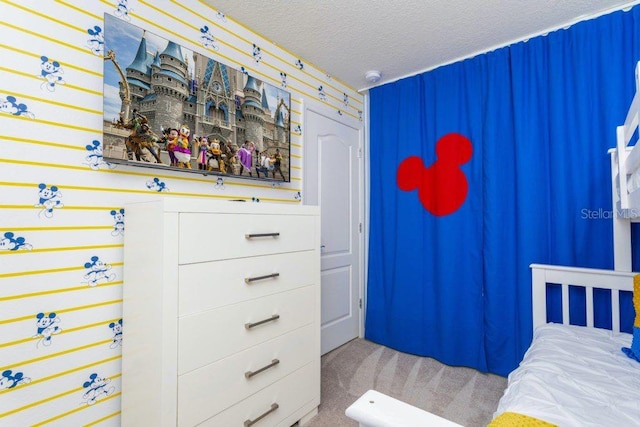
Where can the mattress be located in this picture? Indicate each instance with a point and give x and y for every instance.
(576, 376)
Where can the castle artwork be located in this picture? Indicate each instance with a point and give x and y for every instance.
(167, 106)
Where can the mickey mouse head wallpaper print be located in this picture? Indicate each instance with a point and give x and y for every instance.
(442, 187)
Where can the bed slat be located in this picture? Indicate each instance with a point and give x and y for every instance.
(565, 303)
(615, 311)
(589, 295)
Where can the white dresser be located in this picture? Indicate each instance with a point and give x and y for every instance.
(221, 317)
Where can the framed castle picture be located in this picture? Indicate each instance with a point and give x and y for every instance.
(166, 106)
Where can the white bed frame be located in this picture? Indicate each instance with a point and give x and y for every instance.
(625, 162)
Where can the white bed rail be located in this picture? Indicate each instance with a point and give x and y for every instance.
(587, 278)
(629, 160)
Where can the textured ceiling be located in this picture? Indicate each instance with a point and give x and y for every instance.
(346, 38)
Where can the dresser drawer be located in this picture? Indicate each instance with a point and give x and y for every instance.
(209, 336)
(207, 391)
(289, 394)
(204, 237)
(209, 285)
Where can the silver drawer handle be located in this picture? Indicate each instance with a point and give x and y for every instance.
(270, 319)
(249, 374)
(248, 280)
(252, 236)
(249, 423)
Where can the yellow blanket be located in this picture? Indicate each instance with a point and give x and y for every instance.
(512, 419)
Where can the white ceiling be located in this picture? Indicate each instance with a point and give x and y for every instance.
(346, 38)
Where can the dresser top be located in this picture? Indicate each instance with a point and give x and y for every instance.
(198, 205)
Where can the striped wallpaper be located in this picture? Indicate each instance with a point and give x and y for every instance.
(62, 217)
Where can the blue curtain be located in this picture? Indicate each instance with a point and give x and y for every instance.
(540, 116)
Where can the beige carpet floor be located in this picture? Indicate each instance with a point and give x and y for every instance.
(462, 395)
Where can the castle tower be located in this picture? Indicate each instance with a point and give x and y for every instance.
(139, 75)
(280, 137)
(170, 82)
(253, 113)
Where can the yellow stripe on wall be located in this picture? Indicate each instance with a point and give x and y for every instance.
(67, 372)
(51, 39)
(61, 249)
(132, 191)
(65, 310)
(61, 228)
(57, 291)
(79, 9)
(73, 411)
(63, 332)
(42, 15)
(59, 104)
(100, 420)
(66, 64)
(57, 124)
(70, 86)
(51, 270)
(58, 354)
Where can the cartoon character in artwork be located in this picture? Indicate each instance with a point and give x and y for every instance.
(46, 327)
(123, 10)
(116, 327)
(11, 106)
(9, 379)
(321, 93)
(12, 243)
(98, 270)
(202, 142)
(96, 387)
(94, 158)
(156, 185)
(221, 16)
(118, 227)
(245, 155)
(50, 198)
(96, 42)
(257, 53)
(142, 142)
(207, 39)
(216, 161)
(232, 163)
(170, 140)
(52, 72)
(182, 151)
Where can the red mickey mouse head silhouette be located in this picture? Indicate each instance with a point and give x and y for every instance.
(442, 187)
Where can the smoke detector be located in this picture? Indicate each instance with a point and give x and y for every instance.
(372, 76)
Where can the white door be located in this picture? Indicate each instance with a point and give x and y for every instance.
(332, 180)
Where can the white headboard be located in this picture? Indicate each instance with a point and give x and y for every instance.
(588, 278)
